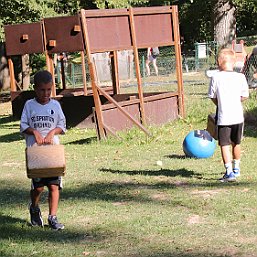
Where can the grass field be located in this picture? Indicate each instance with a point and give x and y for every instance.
(117, 202)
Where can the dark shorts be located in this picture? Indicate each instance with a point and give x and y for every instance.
(41, 182)
(230, 134)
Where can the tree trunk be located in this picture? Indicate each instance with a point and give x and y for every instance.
(4, 71)
(25, 72)
(224, 22)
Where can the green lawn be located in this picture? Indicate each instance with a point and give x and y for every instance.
(118, 202)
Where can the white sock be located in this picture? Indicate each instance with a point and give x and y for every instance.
(236, 164)
(228, 167)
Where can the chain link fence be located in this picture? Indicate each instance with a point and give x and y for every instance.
(195, 62)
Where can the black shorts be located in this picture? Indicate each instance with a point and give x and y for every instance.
(230, 134)
(41, 182)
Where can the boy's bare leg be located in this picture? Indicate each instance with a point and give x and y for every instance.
(225, 153)
(35, 196)
(147, 67)
(53, 206)
(236, 152)
(35, 213)
(53, 199)
(226, 156)
(155, 67)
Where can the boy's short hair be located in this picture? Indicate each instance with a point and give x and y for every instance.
(226, 55)
(42, 77)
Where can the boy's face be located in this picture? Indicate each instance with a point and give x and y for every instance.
(43, 92)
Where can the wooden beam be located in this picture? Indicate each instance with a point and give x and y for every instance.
(12, 76)
(49, 60)
(62, 71)
(124, 12)
(127, 114)
(84, 73)
(115, 72)
(45, 46)
(111, 131)
(97, 101)
(178, 61)
(137, 66)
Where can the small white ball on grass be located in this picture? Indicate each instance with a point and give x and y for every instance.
(159, 163)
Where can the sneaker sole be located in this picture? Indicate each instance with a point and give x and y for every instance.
(56, 229)
(227, 180)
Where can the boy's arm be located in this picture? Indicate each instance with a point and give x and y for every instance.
(50, 136)
(36, 134)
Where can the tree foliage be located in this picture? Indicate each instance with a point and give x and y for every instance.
(197, 17)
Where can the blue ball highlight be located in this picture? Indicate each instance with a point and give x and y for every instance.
(199, 144)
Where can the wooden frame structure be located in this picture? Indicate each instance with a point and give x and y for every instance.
(112, 30)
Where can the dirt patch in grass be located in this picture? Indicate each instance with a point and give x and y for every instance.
(207, 193)
(195, 219)
(160, 197)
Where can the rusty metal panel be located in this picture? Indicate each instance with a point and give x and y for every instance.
(64, 34)
(116, 120)
(153, 30)
(161, 111)
(24, 39)
(109, 33)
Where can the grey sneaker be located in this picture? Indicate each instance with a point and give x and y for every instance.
(35, 216)
(54, 224)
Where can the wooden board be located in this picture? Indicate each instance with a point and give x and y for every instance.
(23, 39)
(45, 161)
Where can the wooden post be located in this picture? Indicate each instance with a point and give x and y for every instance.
(12, 77)
(51, 66)
(84, 73)
(178, 61)
(137, 66)
(96, 96)
(115, 72)
(49, 59)
(62, 71)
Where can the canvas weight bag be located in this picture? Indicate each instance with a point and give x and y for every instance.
(45, 161)
(212, 128)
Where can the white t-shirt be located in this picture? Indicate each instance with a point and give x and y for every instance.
(42, 118)
(228, 87)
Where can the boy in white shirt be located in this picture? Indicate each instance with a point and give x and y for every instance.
(227, 90)
(42, 120)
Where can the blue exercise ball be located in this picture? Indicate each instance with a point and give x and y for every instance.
(199, 144)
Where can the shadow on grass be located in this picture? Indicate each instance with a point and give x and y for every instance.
(251, 123)
(115, 191)
(16, 136)
(121, 191)
(88, 140)
(177, 156)
(6, 119)
(183, 254)
(161, 172)
(16, 229)
(250, 130)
